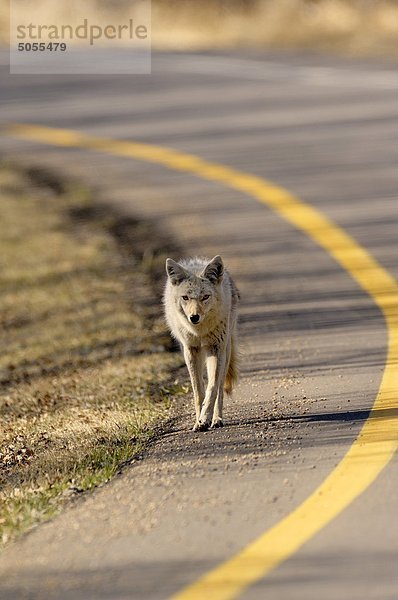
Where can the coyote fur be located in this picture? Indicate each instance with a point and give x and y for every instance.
(201, 302)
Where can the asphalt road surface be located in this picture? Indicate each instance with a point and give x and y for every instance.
(314, 343)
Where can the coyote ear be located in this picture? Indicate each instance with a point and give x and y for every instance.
(175, 271)
(214, 270)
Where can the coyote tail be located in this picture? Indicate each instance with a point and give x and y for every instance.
(232, 375)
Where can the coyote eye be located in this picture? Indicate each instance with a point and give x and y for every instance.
(185, 298)
(206, 297)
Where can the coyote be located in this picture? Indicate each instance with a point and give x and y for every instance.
(201, 302)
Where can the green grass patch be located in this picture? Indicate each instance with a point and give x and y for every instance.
(85, 372)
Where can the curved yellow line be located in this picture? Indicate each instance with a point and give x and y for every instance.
(378, 439)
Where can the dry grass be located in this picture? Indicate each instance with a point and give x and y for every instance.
(84, 376)
(356, 27)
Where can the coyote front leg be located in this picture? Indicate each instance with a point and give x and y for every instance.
(194, 361)
(215, 363)
(217, 414)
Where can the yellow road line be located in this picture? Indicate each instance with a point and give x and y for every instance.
(378, 439)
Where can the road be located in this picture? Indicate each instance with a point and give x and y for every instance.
(314, 343)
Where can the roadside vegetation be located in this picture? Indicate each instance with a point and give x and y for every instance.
(85, 375)
(347, 27)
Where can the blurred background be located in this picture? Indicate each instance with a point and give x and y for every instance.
(354, 27)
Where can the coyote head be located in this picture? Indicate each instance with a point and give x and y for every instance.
(195, 287)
